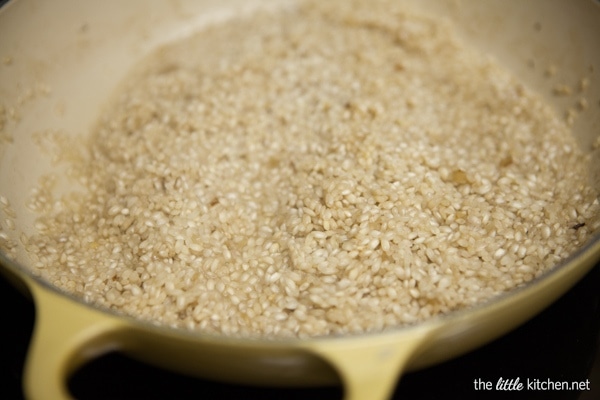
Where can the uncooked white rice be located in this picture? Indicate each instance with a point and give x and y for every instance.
(335, 168)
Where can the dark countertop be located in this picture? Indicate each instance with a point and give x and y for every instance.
(559, 344)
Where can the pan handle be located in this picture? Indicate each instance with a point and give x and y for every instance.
(66, 334)
(370, 367)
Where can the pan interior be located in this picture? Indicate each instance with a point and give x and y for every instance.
(49, 85)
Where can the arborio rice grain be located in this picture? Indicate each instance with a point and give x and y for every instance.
(337, 167)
